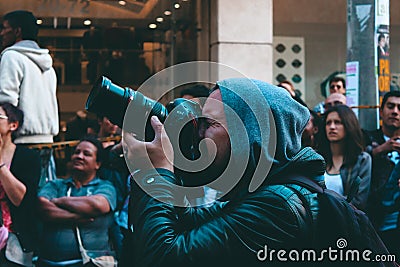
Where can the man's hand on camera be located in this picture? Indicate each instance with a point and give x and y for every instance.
(147, 155)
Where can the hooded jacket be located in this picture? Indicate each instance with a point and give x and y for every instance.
(265, 126)
(28, 80)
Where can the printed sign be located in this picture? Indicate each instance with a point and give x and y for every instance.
(352, 85)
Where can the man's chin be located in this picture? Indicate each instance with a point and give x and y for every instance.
(394, 126)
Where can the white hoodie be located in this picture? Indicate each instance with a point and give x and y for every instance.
(28, 80)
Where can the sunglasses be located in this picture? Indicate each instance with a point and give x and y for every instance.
(335, 86)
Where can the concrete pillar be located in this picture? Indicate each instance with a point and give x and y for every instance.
(241, 36)
(367, 21)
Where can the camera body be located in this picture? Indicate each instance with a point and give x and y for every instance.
(132, 110)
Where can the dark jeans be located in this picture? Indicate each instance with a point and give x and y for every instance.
(391, 238)
(48, 170)
(48, 167)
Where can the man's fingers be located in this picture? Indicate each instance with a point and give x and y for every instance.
(147, 155)
(128, 137)
(133, 138)
(158, 128)
(130, 143)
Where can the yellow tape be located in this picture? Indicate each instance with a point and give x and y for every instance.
(73, 143)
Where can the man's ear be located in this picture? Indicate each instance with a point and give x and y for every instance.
(98, 165)
(18, 33)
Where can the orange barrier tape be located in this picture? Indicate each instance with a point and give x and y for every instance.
(364, 107)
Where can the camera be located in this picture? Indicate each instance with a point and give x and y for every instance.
(110, 100)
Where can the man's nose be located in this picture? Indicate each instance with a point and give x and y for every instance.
(396, 110)
(78, 155)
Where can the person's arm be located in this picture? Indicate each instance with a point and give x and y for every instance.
(87, 206)
(14, 189)
(390, 145)
(102, 201)
(51, 212)
(175, 236)
(166, 233)
(150, 155)
(76, 209)
(365, 165)
(10, 77)
(20, 181)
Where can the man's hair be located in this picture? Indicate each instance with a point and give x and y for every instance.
(387, 95)
(316, 118)
(26, 21)
(338, 79)
(100, 155)
(287, 82)
(196, 91)
(13, 113)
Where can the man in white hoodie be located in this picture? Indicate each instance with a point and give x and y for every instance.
(28, 80)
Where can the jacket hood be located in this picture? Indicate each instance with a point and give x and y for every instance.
(31, 49)
(265, 125)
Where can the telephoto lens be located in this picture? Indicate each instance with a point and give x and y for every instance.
(110, 100)
(132, 111)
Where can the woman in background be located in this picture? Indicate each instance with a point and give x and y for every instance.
(19, 178)
(348, 168)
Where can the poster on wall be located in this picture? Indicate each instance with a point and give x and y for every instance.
(382, 35)
(352, 85)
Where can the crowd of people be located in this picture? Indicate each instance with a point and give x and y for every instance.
(361, 164)
(136, 214)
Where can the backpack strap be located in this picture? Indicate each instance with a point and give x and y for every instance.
(302, 181)
(308, 184)
(306, 204)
